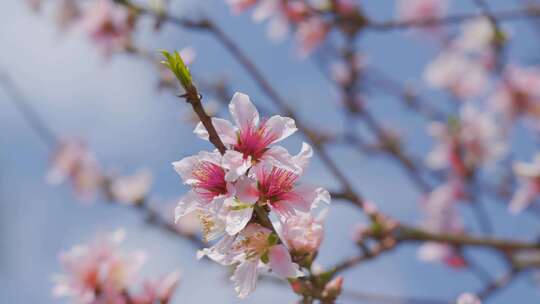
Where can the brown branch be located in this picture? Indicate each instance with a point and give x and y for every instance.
(506, 15)
(499, 283)
(193, 97)
(31, 117)
(369, 297)
(410, 234)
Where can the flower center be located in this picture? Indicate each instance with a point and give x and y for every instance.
(254, 141)
(211, 179)
(277, 185)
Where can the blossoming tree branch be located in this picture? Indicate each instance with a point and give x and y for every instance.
(247, 207)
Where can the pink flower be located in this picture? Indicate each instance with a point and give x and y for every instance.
(529, 190)
(518, 94)
(68, 12)
(251, 140)
(310, 34)
(463, 76)
(253, 248)
(468, 298)
(303, 232)
(441, 216)
(477, 36)
(346, 7)
(98, 272)
(239, 6)
(467, 144)
(278, 188)
(35, 5)
(158, 291)
(131, 189)
(204, 174)
(283, 15)
(72, 160)
(108, 25)
(222, 205)
(421, 9)
(333, 288)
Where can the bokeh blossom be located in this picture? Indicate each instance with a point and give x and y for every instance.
(74, 162)
(441, 216)
(468, 298)
(131, 189)
(465, 144)
(108, 25)
(529, 189)
(518, 94)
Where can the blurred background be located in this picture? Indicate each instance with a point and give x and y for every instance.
(114, 105)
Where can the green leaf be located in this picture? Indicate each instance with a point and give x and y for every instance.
(175, 63)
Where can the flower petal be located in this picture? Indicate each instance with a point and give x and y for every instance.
(235, 164)
(522, 198)
(278, 156)
(243, 111)
(190, 202)
(245, 277)
(225, 130)
(185, 167)
(220, 251)
(301, 160)
(307, 197)
(280, 127)
(281, 263)
(238, 219)
(246, 190)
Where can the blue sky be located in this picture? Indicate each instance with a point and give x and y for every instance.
(115, 107)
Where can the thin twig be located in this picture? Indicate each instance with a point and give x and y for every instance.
(506, 15)
(32, 118)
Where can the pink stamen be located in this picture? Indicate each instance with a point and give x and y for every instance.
(254, 141)
(277, 185)
(211, 179)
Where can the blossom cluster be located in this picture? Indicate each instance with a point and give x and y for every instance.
(491, 99)
(99, 272)
(307, 18)
(73, 161)
(108, 25)
(250, 198)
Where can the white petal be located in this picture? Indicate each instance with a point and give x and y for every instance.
(220, 251)
(526, 169)
(280, 127)
(245, 277)
(246, 190)
(212, 157)
(188, 203)
(185, 167)
(243, 111)
(301, 159)
(522, 198)
(278, 156)
(308, 197)
(264, 10)
(238, 219)
(235, 164)
(281, 263)
(225, 130)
